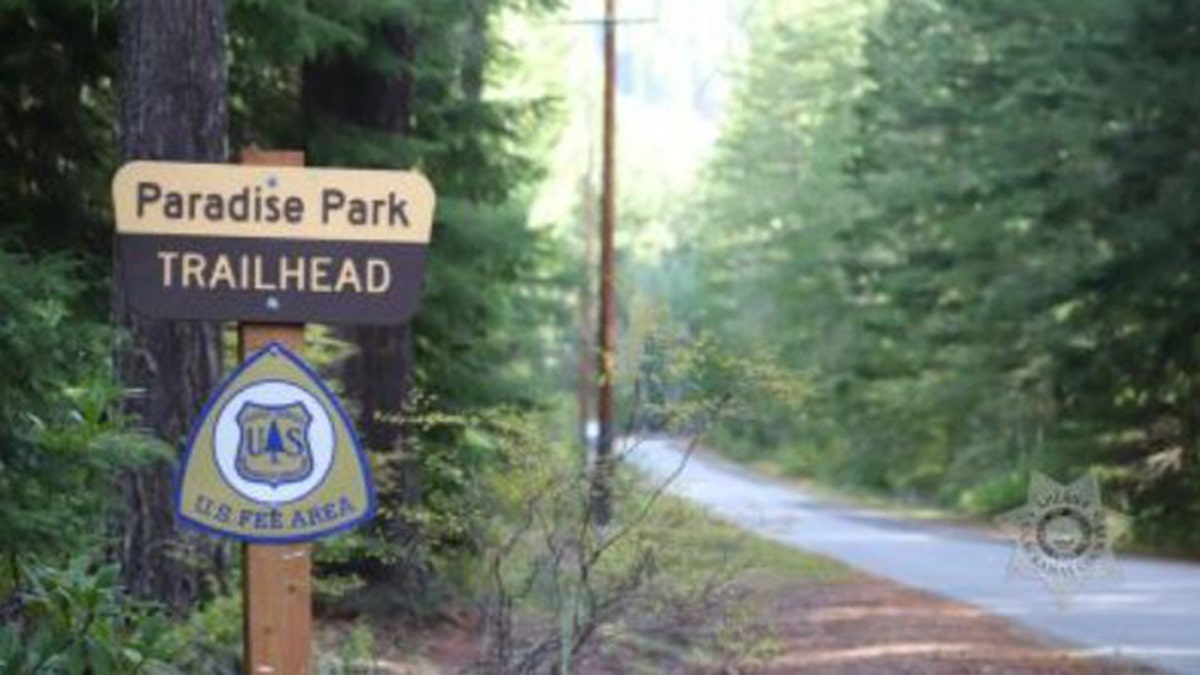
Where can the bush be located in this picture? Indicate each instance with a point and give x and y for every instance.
(60, 446)
(995, 495)
(75, 620)
(61, 449)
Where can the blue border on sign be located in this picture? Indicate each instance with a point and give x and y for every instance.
(367, 514)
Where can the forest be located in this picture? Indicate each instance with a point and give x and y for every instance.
(966, 224)
(935, 246)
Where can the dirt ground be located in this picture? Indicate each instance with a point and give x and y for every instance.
(857, 625)
(870, 626)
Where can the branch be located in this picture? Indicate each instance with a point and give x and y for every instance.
(658, 491)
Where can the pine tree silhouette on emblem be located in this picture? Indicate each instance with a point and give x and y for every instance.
(274, 443)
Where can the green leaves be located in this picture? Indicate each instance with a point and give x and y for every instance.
(61, 446)
(75, 621)
(971, 223)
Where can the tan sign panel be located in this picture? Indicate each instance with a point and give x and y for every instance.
(272, 244)
(222, 200)
(274, 457)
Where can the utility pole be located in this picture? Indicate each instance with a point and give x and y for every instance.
(586, 377)
(604, 468)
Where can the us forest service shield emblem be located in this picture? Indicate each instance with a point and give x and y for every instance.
(274, 447)
(274, 457)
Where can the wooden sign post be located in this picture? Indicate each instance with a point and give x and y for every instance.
(276, 578)
(273, 460)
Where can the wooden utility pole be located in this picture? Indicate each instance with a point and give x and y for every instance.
(587, 325)
(276, 578)
(603, 471)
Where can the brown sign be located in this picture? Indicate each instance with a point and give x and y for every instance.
(272, 244)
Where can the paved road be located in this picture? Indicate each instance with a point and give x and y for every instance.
(1152, 614)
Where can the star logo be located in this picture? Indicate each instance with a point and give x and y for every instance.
(1063, 535)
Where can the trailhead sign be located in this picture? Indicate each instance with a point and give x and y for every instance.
(272, 243)
(274, 457)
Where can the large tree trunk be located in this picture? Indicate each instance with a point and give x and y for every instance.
(344, 91)
(475, 49)
(173, 93)
(338, 91)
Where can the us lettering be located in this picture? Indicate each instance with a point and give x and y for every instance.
(210, 508)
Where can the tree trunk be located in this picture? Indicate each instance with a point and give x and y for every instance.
(475, 50)
(345, 91)
(173, 92)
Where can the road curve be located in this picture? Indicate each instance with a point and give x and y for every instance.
(1151, 615)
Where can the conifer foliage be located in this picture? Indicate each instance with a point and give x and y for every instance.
(381, 83)
(971, 224)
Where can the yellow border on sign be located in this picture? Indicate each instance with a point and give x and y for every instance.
(260, 202)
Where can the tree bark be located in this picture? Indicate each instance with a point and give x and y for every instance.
(475, 49)
(173, 107)
(341, 90)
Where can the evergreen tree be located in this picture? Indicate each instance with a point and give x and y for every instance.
(173, 91)
(405, 87)
(968, 226)
(488, 282)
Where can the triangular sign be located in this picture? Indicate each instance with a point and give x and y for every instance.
(274, 457)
